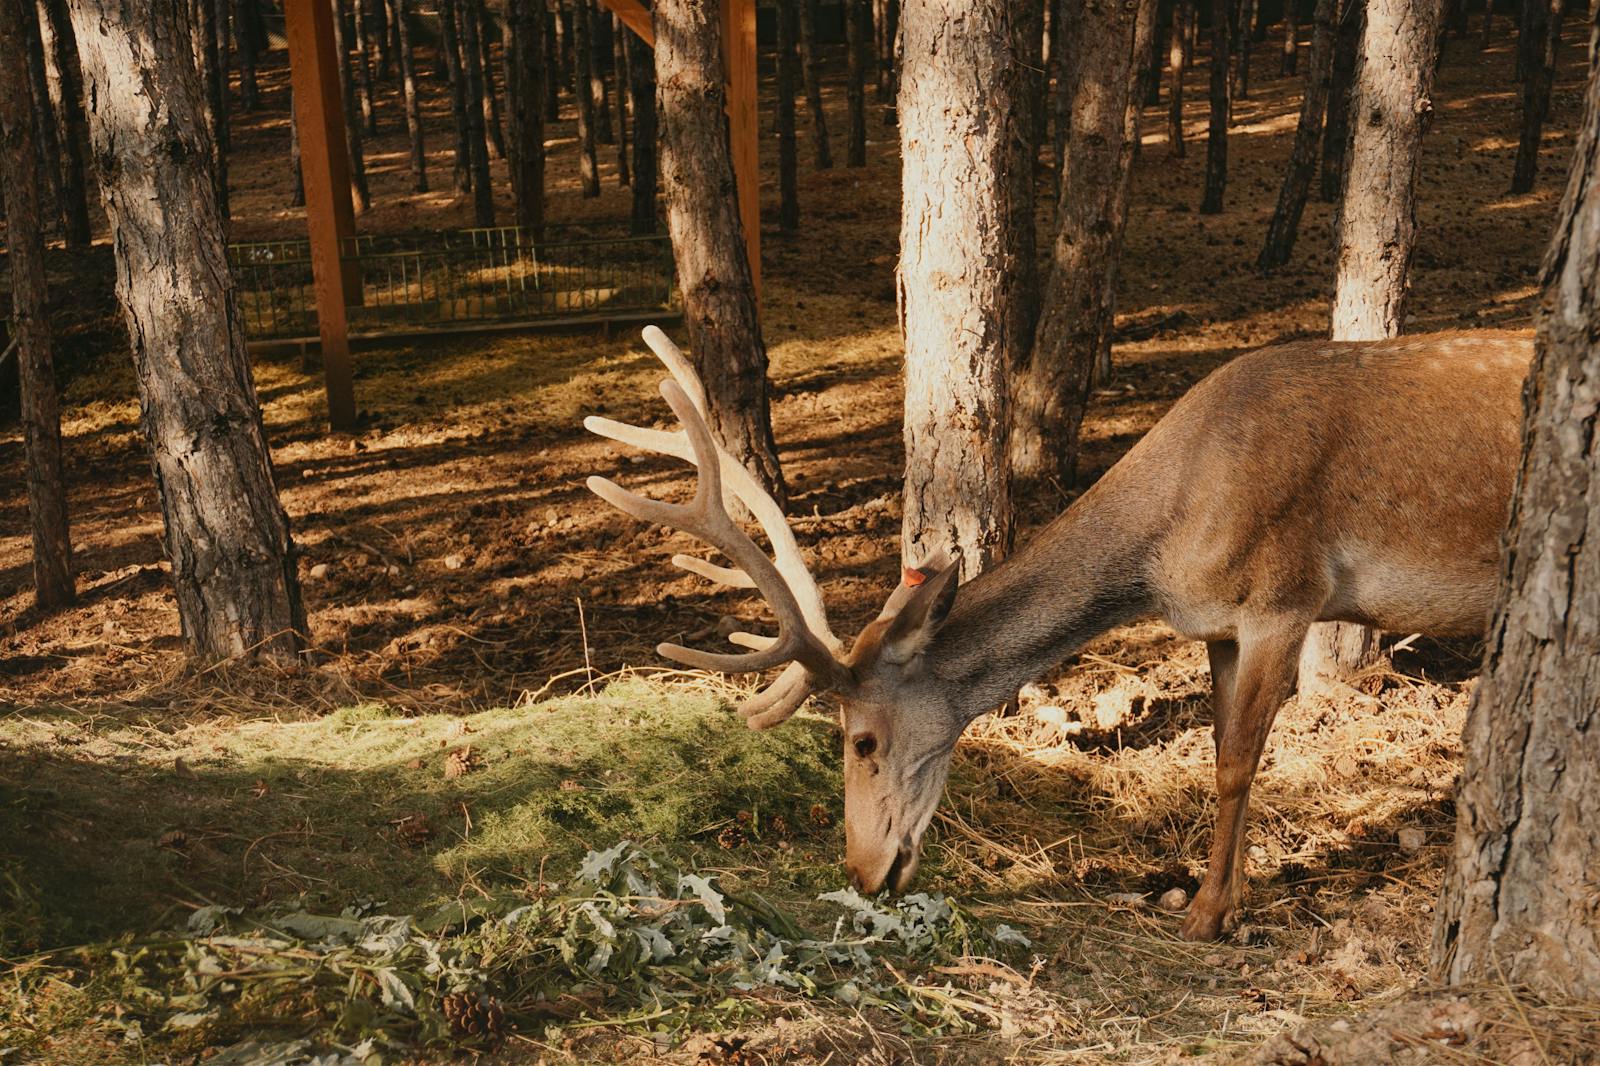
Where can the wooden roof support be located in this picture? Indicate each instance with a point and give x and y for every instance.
(330, 216)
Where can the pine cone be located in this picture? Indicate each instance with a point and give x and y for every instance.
(413, 830)
(459, 762)
(474, 1017)
(730, 837)
(820, 816)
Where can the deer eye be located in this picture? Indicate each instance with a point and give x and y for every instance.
(865, 745)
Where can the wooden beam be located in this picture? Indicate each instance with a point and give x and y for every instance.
(744, 133)
(635, 16)
(330, 216)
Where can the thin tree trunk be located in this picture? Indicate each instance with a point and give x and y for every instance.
(719, 302)
(889, 69)
(1222, 17)
(1285, 224)
(858, 43)
(958, 263)
(1117, 216)
(788, 75)
(1375, 236)
(1078, 300)
(382, 35)
(1245, 34)
(205, 31)
(1539, 72)
(1518, 904)
(550, 69)
(583, 86)
(1183, 16)
(599, 48)
(490, 103)
(297, 196)
(1336, 135)
(30, 320)
(1291, 38)
(811, 59)
(352, 125)
(619, 67)
(408, 86)
(450, 45)
(1145, 74)
(75, 124)
(1150, 78)
(527, 20)
(1488, 24)
(642, 87)
(360, 11)
(46, 137)
(1063, 66)
(228, 539)
(1027, 26)
(249, 45)
(477, 138)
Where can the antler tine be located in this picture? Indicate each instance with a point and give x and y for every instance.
(725, 575)
(780, 699)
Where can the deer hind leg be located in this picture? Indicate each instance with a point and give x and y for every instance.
(1264, 676)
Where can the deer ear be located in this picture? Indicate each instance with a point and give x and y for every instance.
(922, 613)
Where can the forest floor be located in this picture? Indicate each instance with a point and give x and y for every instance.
(459, 578)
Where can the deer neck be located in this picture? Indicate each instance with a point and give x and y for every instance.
(1083, 574)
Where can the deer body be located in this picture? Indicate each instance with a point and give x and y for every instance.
(1364, 482)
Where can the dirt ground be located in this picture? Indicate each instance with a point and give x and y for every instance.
(452, 560)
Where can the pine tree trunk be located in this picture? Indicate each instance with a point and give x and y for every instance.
(1291, 38)
(1336, 134)
(1296, 188)
(297, 196)
(1375, 236)
(233, 559)
(450, 45)
(75, 124)
(45, 130)
(1539, 71)
(583, 86)
(1063, 67)
(1052, 390)
(526, 93)
(383, 36)
(477, 137)
(858, 43)
(891, 62)
(811, 59)
(205, 31)
(958, 263)
(1151, 78)
(1033, 102)
(245, 18)
(719, 305)
(550, 69)
(642, 88)
(599, 48)
(1488, 25)
(619, 67)
(1222, 16)
(30, 320)
(352, 125)
(788, 75)
(490, 102)
(360, 11)
(1183, 16)
(413, 104)
(1244, 30)
(1144, 74)
(1117, 216)
(1518, 904)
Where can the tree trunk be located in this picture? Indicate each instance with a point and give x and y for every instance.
(245, 17)
(958, 265)
(1183, 16)
(1117, 217)
(233, 559)
(526, 93)
(205, 31)
(360, 11)
(1518, 903)
(583, 86)
(450, 45)
(642, 88)
(408, 85)
(1245, 33)
(619, 67)
(1336, 135)
(490, 102)
(889, 71)
(599, 48)
(811, 59)
(297, 195)
(1543, 40)
(1063, 66)
(858, 43)
(1052, 390)
(1291, 38)
(75, 124)
(383, 36)
(1146, 76)
(1285, 224)
(788, 74)
(1488, 24)
(550, 70)
(46, 136)
(477, 142)
(1033, 102)
(352, 126)
(30, 319)
(1375, 236)
(1222, 16)
(719, 304)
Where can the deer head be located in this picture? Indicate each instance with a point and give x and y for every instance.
(900, 723)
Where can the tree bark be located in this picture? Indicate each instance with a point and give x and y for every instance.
(1538, 46)
(46, 137)
(1296, 188)
(599, 48)
(30, 320)
(1063, 66)
(360, 11)
(1078, 299)
(477, 137)
(1033, 103)
(642, 88)
(583, 86)
(1291, 38)
(75, 125)
(1244, 30)
(455, 69)
(550, 70)
(297, 195)
(619, 67)
(1223, 13)
(1488, 24)
(858, 45)
(1375, 235)
(216, 114)
(719, 305)
(247, 40)
(413, 105)
(788, 71)
(482, 25)
(233, 559)
(1183, 16)
(889, 64)
(1336, 134)
(1518, 902)
(352, 124)
(526, 93)
(960, 78)
(811, 59)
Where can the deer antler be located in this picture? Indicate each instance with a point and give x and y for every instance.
(804, 639)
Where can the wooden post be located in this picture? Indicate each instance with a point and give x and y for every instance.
(330, 217)
(738, 19)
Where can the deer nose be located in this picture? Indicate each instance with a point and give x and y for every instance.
(859, 881)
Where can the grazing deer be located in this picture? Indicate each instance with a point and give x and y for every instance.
(1360, 482)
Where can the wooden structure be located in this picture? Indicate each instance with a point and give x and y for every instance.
(330, 216)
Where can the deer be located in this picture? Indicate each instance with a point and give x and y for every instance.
(1307, 482)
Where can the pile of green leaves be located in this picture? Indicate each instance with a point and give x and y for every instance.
(630, 940)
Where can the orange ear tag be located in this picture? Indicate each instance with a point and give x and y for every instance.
(915, 577)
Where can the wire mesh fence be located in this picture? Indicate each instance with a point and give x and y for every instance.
(432, 280)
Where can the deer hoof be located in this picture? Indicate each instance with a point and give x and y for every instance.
(1205, 923)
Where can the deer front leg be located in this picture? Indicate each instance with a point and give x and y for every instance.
(1263, 678)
